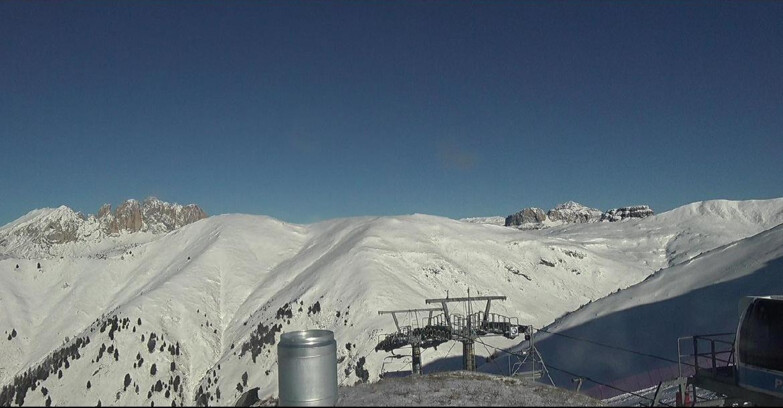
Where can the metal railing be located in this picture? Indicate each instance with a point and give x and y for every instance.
(494, 323)
(709, 352)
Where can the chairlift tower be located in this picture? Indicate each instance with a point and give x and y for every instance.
(447, 326)
(466, 329)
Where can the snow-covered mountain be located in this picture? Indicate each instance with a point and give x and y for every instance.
(572, 212)
(697, 296)
(205, 303)
(623, 213)
(48, 231)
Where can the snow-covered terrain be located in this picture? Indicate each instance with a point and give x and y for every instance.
(63, 232)
(698, 296)
(492, 220)
(204, 303)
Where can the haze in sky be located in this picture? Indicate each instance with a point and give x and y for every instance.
(311, 110)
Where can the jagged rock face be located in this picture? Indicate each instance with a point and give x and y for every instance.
(190, 214)
(573, 212)
(152, 215)
(526, 216)
(41, 230)
(57, 230)
(103, 211)
(162, 216)
(127, 217)
(622, 213)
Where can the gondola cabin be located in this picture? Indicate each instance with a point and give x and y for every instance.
(759, 345)
(740, 368)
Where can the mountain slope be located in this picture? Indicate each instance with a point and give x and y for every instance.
(677, 235)
(206, 302)
(246, 274)
(699, 296)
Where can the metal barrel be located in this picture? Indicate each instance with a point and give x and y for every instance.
(307, 369)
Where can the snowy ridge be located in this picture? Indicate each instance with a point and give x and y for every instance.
(247, 274)
(47, 232)
(699, 296)
(216, 294)
(493, 220)
(572, 212)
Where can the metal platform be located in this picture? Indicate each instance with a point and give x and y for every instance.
(708, 364)
(441, 326)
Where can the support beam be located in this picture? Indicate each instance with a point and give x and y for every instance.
(426, 309)
(468, 356)
(464, 299)
(486, 314)
(446, 315)
(396, 323)
(394, 314)
(416, 355)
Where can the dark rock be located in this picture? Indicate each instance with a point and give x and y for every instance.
(573, 212)
(248, 398)
(622, 213)
(526, 216)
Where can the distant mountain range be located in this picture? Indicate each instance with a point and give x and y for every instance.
(569, 212)
(42, 231)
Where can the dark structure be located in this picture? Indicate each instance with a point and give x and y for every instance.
(739, 368)
(442, 325)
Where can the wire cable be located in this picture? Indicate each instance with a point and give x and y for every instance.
(566, 371)
(500, 370)
(610, 346)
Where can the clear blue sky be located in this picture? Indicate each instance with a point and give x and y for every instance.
(311, 110)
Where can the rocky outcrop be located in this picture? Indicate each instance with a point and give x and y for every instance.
(529, 215)
(127, 217)
(40, 230)
(152, 215)
(573, 212)
(103, 211)
(162, 216)
(622, 213)
(60, 227)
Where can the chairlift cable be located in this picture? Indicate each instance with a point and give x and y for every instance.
(490, 357)
(610, 346)
(571, 373)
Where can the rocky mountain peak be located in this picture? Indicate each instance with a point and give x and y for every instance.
(569, 205)
(622, 213)
(530, 215)
(36, 232)
(151, 215)
(103, 211)
(572, 212)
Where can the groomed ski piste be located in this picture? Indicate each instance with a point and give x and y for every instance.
(206, 303)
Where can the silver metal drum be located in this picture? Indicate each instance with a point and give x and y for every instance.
(307, 369)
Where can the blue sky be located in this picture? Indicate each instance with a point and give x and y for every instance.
(312, 110)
